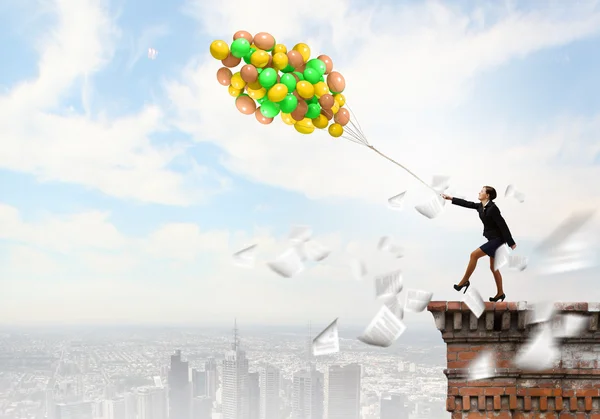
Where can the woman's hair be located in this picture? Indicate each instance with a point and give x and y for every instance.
(491, 192)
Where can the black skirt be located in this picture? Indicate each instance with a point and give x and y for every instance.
(490, 247)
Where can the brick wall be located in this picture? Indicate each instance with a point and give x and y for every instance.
(569, 390)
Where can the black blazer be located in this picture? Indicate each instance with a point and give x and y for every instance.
(494, 225)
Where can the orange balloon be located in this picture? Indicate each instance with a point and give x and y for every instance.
(261, 118)
(336, 82)
(245, 105)
(249, 73)
(342, 116)
(224, 76)
(231, 61)
(264, 41)
(243, 34)
(328, 63)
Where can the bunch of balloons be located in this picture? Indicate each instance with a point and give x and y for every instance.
(306, 92)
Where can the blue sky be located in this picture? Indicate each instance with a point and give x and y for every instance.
(126, 183)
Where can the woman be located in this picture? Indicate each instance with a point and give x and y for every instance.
(494, 229)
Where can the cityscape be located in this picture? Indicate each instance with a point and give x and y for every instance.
(170, 373)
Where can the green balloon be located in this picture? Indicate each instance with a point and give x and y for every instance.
(259, 70)
(322, 79)
(288, 69)
(317, 65)
(311, 75)
(314, 109)
(268, 78)
(299, 74)
(289, 81)
(269, 109)
(247, 56)
(261, 100)
(240, 47)
(289, 103)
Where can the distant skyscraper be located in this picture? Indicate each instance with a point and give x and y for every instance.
(212, 378)
(235, 401)
(180, 392)
(199, 383)
(307, 394)
(269, 393)
(78, 410)
(115, 409)
(254, 395)
(343, 391)
(202, 408)
(151, 403)
(392, 407)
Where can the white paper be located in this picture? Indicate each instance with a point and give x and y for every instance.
(518, 263)
(572, 255)
(384, 329)
(501, 256)
(417, 300)
(328, 341)
(288, 264)
(473, 300)
(540, 353)
(570, 326)
(511, 191)
(388, 284)
(397, 202)
(567, 228)
(152, 53)
(386, 245)
(482, 367)
(358, 268)
(542, 311)
(300, 234)
(245, 257)
(432, 208)
(315, 251)
(440, 183)
(395, 305)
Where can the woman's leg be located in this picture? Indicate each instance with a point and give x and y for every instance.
(497, 277)
(475, 256)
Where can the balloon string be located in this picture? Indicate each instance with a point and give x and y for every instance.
(403, 167)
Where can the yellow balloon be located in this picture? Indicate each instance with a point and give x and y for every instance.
(305, 89)
(335, 108)
(253, 45)
(336, 130)
(234, 92)
(255, 85)
(237, 82)
(259, 58)
(278, 92)
(219, 49)
(320, 121)
(304, 50)
(287, 119)
(340, 99)
(279, 48)
(280, 60)
(321, 89)
(257, 93)
(305, 126)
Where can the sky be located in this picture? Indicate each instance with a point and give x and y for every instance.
(127, 183)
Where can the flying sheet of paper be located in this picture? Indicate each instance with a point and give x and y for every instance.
(397, 202)
(300, 234)
(501, 256)
(328, 341)
(388, 284)
(417, 300)
(542, 311)
(511, 191)
(315, 251)
(567, 228)
(358, 269)
(384, 329)
(473, 300)
(570, 326)
(572, 256)
(245, 257)
(152, 53)
(288, 264)
(395, 305)
(440, 183)
(432, 208)
(518, 263)
(482, 367)
(539, 353)
(386, 245)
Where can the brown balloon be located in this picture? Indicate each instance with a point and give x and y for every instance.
(328, 113)
(270, 63)
(328, 63)
(336, 82)
(295, 59)
(245, 105)
(342, 116)
(326, 101)
(261, 118)
(295, 93)
(301, 68)
(224, 76)
(243, 34)
(264, 41)
(231, 61)
(249, 73)
(300, 111)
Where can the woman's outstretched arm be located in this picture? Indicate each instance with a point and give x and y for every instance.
(461, 202)
(501, 223)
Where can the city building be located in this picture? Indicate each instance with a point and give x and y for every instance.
(254, 395)
(180, 391)
(307, 394)
(343, 390)
(212, 378)
(393, 407)
(151, 403)
(269, 392)
(235, 396)
(202, 407)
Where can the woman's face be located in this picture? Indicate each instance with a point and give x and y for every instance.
(483, 195)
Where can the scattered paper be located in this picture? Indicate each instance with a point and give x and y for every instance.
(388, 284)
(432, 208)
(501, 256)
(395, 306)
(482, 367)
(288, 264)
(417, 300)
(359, 269)
(540, 353)
(511, 191)
(384, 329)
(386, 245)
(564, 230)
(542, 311)
(573, 255)
(473, 300)
(570, 326)
(300, 234)
(315, 251)
(152, 53)
(245, 257)
(397, 202)
(328, 341)
(440, 183)
(518, 263)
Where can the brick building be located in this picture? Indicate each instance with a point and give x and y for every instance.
(570, 390)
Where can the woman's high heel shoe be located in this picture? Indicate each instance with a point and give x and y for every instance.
(501, 297)
(460, 287)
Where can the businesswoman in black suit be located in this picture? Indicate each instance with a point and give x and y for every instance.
(494, 229)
